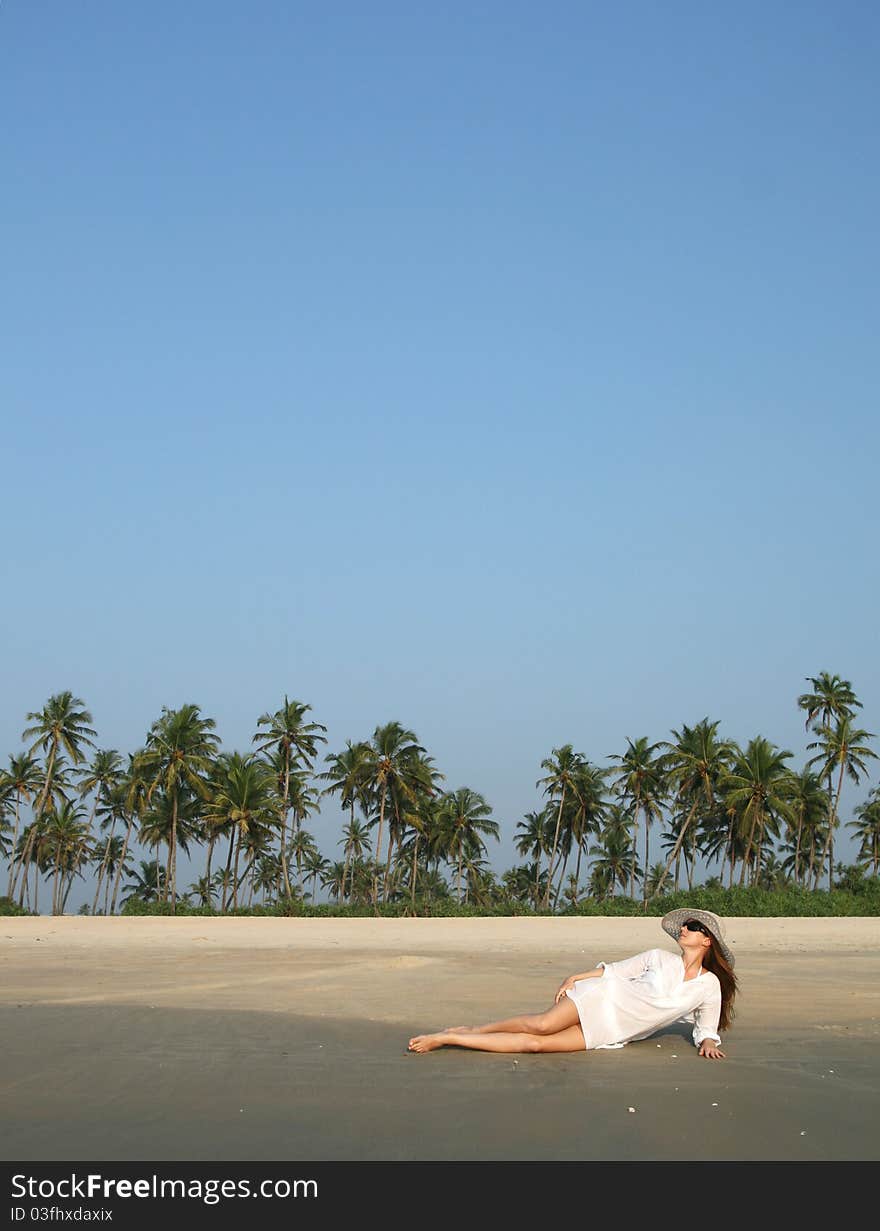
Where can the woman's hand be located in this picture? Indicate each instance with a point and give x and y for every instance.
(563, 988)
(710, 1050)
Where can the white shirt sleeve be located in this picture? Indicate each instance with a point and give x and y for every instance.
(707, 1015)
(629, 967)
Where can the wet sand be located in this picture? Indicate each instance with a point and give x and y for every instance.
(276, 1039)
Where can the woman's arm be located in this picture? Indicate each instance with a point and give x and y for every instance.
(710, 1050)
(572, 979)
(627, 968)
(706, 1017)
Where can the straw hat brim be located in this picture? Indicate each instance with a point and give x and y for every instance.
(671, 923)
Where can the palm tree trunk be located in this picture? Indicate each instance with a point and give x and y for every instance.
(560, 884)
(675, 850)
(414, 867)
(748, 849)
(107, 888)
(118, 877)
(551, 867)
(225, 898)
(577, 872)
(24, 865)
(103, 867)
(379, 845)
(235, 871)
(67, 890)
(211, 841)
(344, 875)
(285, 795)
(797, 853)
(55, 880)
(40, 806)
(9, 889)
(387, 868)
(173, 855)
(347, 855)
(829, 841)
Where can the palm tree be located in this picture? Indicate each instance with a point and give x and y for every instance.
(158, 822)
(23, 778)
(830, 698)
(244, 799)
(62, 724)
(536, 839)
(867, 829)
(129, 798)
(772, 873)
(355, 842)
(296, 742)
(562, 766)
(421, 824)
(410, 799)
(266, 877)
(7, 843)
(256, 844)
(112, 860)
(465, 818)
(32, 851)
(394, 761)
(100, 777)
(587, 811)
(758, 785)
(59, 793)
(333, 879)
(68, 839)
(615, 859)
(348, 776)
(316, 867)
(147, 884)
(655, 877)
(305, 799)
(641, 783)
(843, 747)
(694, 764)
(808, 805)
(302, 847)
(201, 892)
(178, 754)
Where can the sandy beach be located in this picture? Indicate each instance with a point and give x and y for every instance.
(285, 1039)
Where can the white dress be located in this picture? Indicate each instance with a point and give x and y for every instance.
(642, 994)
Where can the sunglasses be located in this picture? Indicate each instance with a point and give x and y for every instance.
(693, 925)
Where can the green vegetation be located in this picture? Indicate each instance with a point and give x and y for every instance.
(8, 907)
(69, 809)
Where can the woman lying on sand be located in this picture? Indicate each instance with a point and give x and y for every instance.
(619, 1002)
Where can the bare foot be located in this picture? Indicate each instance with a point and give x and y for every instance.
(458, 1030)
(426, 1042)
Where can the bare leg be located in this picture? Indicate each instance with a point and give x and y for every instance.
(549, 1022)
(570, 1039)
(535, 1032)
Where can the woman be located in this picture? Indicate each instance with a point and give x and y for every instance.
(622, 1001)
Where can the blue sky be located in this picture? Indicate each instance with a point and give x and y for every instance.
(505, 369)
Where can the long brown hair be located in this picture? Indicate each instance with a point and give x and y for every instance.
(714, 960)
